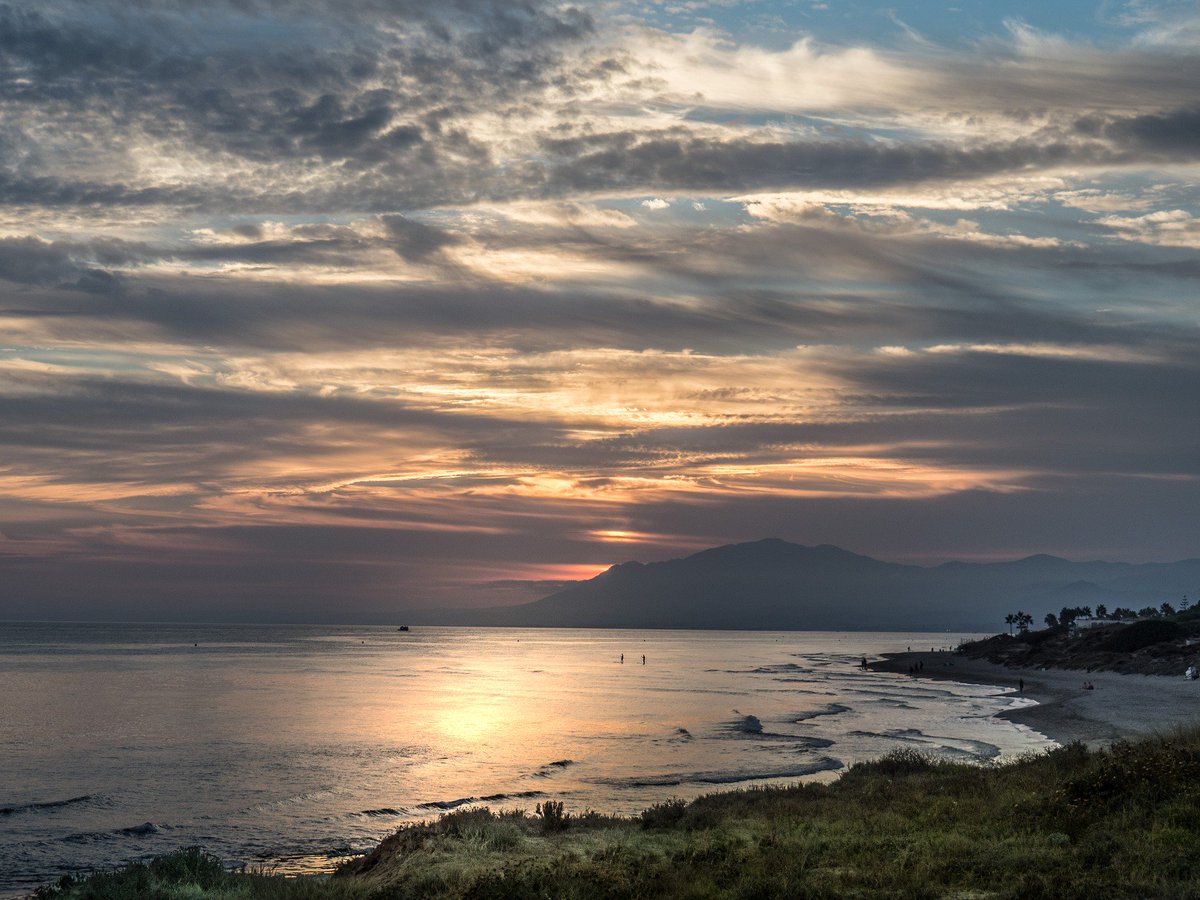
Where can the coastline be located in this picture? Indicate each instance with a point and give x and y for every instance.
(1120, 707)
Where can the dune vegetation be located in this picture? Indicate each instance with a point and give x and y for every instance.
(1162, 642)
(1117, 822)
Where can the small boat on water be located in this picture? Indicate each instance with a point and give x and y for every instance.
(402, 628)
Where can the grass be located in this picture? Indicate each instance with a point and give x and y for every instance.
(1121, 822)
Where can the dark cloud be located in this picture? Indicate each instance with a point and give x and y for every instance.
(32, 261)
(1175, 132)
(758, 290)
(365, 91)
(680, 162)
(29, 260)
(416, 241)
(109, 430)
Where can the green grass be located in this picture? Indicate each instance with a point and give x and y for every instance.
(1121, 822)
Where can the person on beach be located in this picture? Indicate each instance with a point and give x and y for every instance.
(643, 659)
(622, 659)
(1020, 685)
(864, 664)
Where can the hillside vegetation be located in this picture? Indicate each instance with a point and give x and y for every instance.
(1159, 646)
(1121, 822)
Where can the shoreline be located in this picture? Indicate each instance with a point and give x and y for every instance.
(1121, 706)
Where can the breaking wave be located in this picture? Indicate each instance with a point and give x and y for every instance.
(19, 808)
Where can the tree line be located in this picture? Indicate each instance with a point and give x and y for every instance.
(1021, 620)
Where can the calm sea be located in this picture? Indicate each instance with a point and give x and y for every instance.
(293, 746)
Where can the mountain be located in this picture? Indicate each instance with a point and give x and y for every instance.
(774, 584)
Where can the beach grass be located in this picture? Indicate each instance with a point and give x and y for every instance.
(1117, 822)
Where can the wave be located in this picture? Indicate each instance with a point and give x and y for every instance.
(892, 703)
(750, 726)
(516, 795)
(747, 724)
(940, 745)
(823, 764)
(146, 829)
(829, 709)
(552, 768)
(446, 805)
(19, 808)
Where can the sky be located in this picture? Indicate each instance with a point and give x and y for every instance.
(323, 310)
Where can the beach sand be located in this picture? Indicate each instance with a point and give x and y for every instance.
(1120, 706)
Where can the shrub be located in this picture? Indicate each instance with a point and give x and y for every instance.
(1036, 638)
(665, 814)
(192, 868)
(1144, 634)
(554, 818)
(895, 764)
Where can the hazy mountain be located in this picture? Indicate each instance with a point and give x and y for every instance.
(773, 584)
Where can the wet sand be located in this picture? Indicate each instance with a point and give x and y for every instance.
(1120, 706)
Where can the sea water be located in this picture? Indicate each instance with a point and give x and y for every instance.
(295, 746)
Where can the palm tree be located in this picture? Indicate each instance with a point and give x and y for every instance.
(1009, 619)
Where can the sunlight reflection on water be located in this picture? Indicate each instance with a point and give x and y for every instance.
(297, 745)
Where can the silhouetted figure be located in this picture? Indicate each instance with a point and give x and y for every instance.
(622, 659)
(643, 659)
(864, 664)
(1020, 685)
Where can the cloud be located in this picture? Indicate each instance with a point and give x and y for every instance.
(416, 241)
(377, 298)
(631, 162)
(1164, 228)
(1175, 132)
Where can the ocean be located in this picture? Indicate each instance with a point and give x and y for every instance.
(291, 747)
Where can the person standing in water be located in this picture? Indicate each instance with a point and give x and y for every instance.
(622, 659)
(643, 659)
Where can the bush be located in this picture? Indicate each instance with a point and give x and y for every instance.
(1036, 638)
(665, 814)
(553, 816)
(192, 868)
(1144, 634)
(895, 764)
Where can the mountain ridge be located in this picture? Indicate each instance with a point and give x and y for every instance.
(773, 584)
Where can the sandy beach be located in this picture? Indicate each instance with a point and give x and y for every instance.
(1119, 706)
